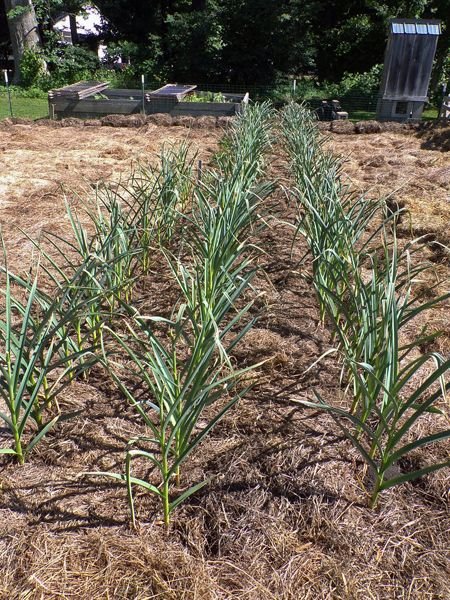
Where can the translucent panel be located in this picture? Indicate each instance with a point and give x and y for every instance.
(434, 29)
(410, 28)
(172, 89)
(397, 28)
(422, 28)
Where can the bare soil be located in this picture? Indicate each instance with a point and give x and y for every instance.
(285, 514)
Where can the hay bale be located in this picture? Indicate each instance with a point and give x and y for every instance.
(323, 125)
(21, 121)
(204, 122)
(135, 120)
(161, 119)
(114, 121)
(92, 123)
(368, 127)
(72, 122)
(394, 126)
(224, 122)
(48, 123)
(124, 120)
(435, 137)
(183, 121)
(342, 127)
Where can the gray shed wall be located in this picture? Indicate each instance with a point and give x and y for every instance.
(408, 65)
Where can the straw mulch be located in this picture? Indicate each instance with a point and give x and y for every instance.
(284, 516)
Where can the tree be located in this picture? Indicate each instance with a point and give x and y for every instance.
(24, 34)
(440, 9)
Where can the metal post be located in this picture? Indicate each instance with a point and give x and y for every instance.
(294, 87)
(143, 93)
(5, 73)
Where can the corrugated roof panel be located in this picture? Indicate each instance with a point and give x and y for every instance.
(410, 28)
(416, 28)
(433, 29)
(398, 28)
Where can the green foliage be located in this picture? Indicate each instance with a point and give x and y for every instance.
(17, 12)
(305, 88)
(355, 84)
(137, 60)
(186, 382)
(38, 359)
(195, 43)
(21, 92)
(206, 97)
(252, 42)
(369, 303)
(68, 64)
(31, 68)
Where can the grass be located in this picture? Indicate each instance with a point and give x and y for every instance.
(36, 108)
(428, 114)
(31, 108)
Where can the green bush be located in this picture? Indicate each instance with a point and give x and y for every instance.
(142, 61)
(21, 92)
(31, 68)
(355, 84)
(68, 64)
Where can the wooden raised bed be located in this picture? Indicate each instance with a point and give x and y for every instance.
(109, 102)
(234, 105)
(66, 102)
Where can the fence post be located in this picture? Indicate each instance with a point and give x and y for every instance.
(5, 73)
(143, 94)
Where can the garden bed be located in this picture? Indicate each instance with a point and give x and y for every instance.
(128, 102)
(201, 104)
(108, 102)
(287, 516)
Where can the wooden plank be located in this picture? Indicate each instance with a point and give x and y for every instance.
(160, 104)
(204, 108)
(96, 107)
(78, 91)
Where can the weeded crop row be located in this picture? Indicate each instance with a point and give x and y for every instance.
(368, 301)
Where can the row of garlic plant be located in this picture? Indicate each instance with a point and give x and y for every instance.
(364, 287)
(47, 338)
(187, 383)
(38, 358)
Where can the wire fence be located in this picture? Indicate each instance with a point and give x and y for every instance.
(359, 106)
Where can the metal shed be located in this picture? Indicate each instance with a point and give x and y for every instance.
(407, 68)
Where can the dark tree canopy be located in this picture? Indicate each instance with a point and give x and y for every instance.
(248, 41)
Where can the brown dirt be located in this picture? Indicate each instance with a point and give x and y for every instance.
(285, 515)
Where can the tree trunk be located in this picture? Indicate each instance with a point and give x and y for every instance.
(73, 29)
(23, 31)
